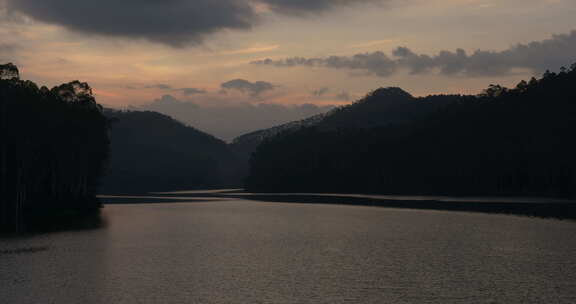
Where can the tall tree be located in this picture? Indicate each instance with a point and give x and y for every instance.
(54, 149)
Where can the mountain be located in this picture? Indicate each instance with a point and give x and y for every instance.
(229, 120)
(154, 152)
(381, 107)
(502, 142)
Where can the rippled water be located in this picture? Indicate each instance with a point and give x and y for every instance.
(239, 251)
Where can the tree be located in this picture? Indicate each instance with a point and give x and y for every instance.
(9, 71)
(502, 142)
(54, 150)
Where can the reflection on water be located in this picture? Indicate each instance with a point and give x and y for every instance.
(252, 252)
(131, 199)
(435, 198)
(46, 221)
(24, 250)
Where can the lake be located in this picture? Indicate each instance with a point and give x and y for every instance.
(240, 251)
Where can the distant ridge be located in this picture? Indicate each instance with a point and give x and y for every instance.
(154, 152)
(383, 106)
(501, 142)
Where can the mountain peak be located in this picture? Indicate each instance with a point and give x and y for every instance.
(394, 93)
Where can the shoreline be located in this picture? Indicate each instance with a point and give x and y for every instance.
(534, 207)
(556, 210)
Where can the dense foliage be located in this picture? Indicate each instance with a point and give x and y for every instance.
(153, 152)
(503, 142)
(54, 149)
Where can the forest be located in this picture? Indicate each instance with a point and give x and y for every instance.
(517, 141)
(60, 148)
(54, 150)
(154, 152)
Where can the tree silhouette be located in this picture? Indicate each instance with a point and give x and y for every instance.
(502, 142)
(9, 71)
(54, 150)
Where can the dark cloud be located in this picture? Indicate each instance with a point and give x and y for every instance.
(192, 91)
(309, 6)
(377, 63)
(174, 22)
(537, 56)
(320, 92)
(228, 121)
(160, 86)
(245, 86)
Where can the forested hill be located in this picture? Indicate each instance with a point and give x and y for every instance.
(381, 107)
(54, 150)
(502, 142)
(153, 152)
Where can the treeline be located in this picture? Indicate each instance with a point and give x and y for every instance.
(54, 148)
(504, 141)
(154, 152)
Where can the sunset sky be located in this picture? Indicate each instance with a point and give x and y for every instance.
(283, 51)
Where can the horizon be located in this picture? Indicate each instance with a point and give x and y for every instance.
(231, 121)
(268, 52)
(287, 151)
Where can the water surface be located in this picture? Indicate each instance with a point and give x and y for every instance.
(238, 251)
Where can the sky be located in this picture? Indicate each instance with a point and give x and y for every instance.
(288, 53)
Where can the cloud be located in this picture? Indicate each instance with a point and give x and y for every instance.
(300, 7)
(320, 92)
(169, 100)
(176, 23)
(376, 63)
(7, 52)
(167, 87)
(344, 96)
(192, 91)
(6, 48)
(372, 43)
(160, 86)
(253, 50)
(245, 86)
(228, 121)
(536, 56)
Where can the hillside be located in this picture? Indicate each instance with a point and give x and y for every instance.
(381, 107)
(153, 152)
(502, 142)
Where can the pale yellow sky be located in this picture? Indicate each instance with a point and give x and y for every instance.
(120, 69)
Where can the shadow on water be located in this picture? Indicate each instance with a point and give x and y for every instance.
(549, 210)
(112, 200)
(50, 221)
(24, 250)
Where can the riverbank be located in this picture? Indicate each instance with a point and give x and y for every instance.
(52, 220)
(530, 207)
(527, 206)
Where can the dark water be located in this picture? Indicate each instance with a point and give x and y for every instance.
(250, 252)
